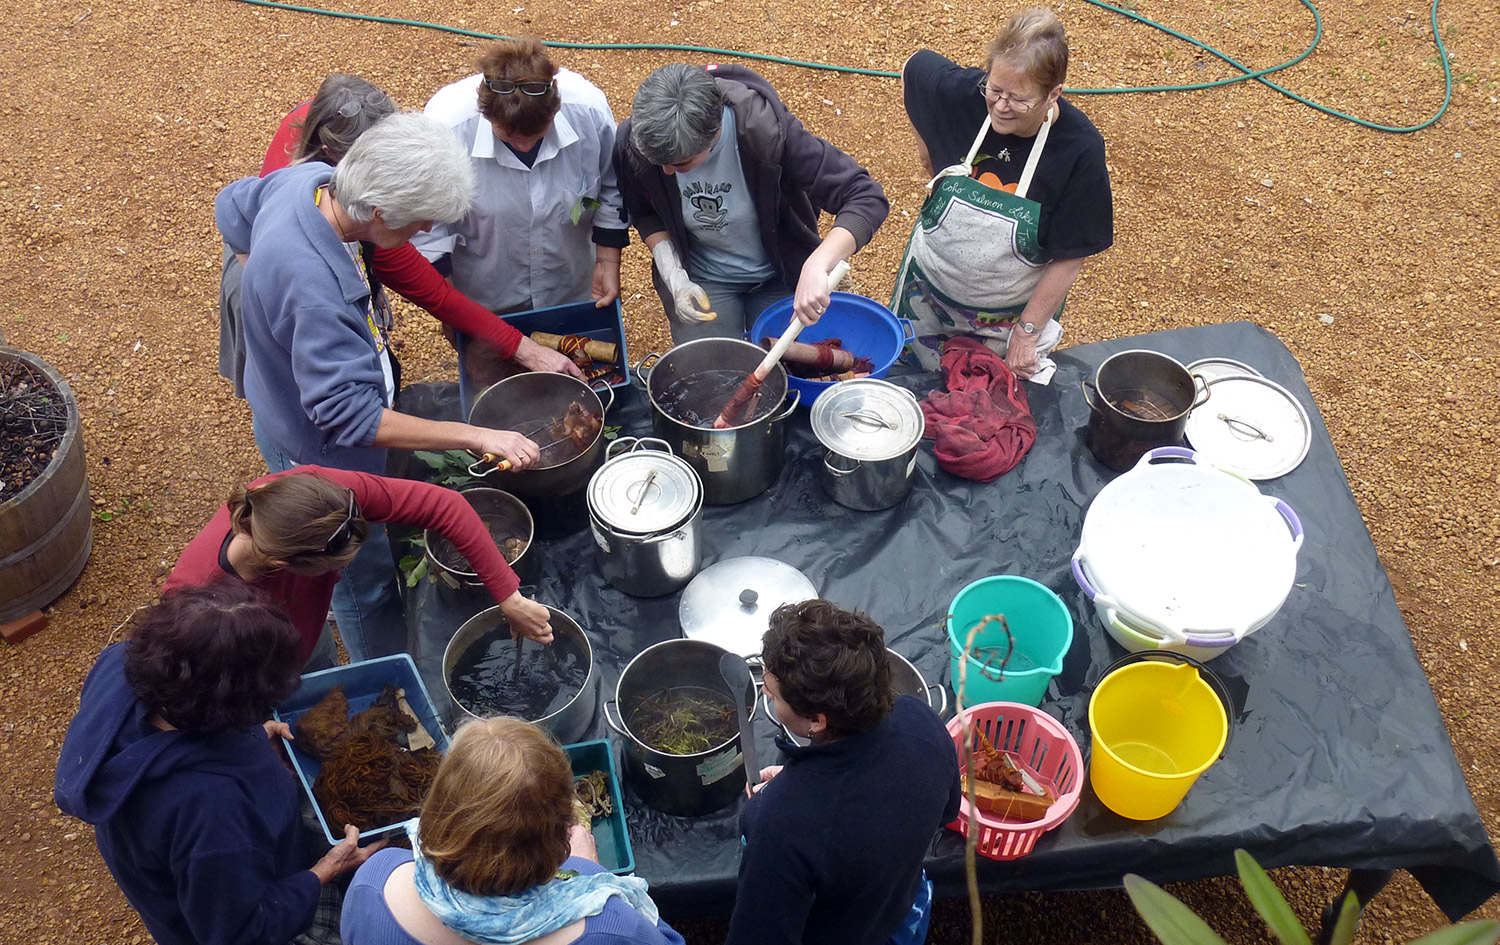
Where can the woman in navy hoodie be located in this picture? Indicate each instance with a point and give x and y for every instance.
(169, 758)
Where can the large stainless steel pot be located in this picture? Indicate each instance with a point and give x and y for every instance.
(644, 507)
(870, 429)
(572, 721)
(1139, 400)
(906, 680)
(736, 463)
(491, 505)
(521, 403)
(686, 785)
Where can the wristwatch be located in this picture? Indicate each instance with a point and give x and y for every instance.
(1027, 327)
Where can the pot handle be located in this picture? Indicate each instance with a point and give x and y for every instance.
(1204, 390)
(611, 449)
(1082, 579)
(476, 468)
(796, 400)
(834, 470)
(641, 366)
(1167, 452)
(908, 335)
(659, 444)
(942, 692)
(610, 720)
(1088, 398)
(1291, 519)
(604, 409)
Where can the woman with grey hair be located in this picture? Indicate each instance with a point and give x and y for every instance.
(319, 373)
(725, 187)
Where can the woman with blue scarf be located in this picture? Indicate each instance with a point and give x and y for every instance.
(496, 859)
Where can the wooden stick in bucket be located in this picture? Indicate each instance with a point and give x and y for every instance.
(736, 405)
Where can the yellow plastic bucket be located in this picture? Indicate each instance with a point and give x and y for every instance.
(1156, 727)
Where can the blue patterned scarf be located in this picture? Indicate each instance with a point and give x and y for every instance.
(511, 920)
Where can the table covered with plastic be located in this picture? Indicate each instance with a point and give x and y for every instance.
(1337, 754)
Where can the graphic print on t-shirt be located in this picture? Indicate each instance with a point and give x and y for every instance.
(708, 203)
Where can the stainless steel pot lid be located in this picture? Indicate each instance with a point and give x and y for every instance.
(644, 491)
(729, 603)
(868, 419)
(1252, 426)
(1215, 368)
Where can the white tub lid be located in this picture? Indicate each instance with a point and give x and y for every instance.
(729, 603)
(1252, 426)
(1214, 368)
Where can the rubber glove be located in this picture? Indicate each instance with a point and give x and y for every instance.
(689, 302)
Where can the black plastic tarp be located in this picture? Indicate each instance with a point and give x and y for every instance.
(1338, 755)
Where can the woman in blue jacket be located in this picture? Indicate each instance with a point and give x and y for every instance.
(169, 758)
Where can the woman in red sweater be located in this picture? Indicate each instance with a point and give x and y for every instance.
(290, 533)
(322, 129)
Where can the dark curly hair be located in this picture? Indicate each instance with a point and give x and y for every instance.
(832, 661)
(214, 657)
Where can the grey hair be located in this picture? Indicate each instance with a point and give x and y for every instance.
(409, 166)
(677, 112)
(327, 135)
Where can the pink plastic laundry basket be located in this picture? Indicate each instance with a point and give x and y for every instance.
(1036, 742)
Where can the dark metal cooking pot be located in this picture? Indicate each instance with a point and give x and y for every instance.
(1139, 400)
(569, 723)
(736, 463)
(510, 517)
(686, 785)
(525, 402)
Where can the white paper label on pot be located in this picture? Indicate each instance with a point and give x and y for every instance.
(599, 539)
(721, 766)
(911, 464)
(654, 771)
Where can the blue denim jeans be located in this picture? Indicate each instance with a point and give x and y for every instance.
(738, 305)
(366, 600)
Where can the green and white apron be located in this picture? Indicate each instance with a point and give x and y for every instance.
(972, 261)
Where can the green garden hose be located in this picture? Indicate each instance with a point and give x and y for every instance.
(1259, 75)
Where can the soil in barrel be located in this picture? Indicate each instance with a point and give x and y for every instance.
(684, 720)
(487, 679)
(33, 421)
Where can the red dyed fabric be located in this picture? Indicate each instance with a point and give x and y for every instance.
(982, 423)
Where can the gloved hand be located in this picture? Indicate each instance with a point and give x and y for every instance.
(689, 302)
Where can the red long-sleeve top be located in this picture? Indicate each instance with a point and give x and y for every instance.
(305, 598)
(404, 269)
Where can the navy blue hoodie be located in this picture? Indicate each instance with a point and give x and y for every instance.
(201, 831)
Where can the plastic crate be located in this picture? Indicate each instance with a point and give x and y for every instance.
(575, 318)
(610, 835)
(1037, 742)
(362, 684)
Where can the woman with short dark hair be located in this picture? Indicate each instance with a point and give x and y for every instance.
(169, 760)
(834, 840)
(490, 859)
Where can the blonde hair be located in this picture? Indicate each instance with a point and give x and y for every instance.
(291, 519)
(1033, 43)
(495, 822)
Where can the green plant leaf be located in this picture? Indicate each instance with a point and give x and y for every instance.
(435, 460)
(1269, 901)
(576, 213)
(417, 573)
(1173, 922)
(1347, 923)
(1478, 932)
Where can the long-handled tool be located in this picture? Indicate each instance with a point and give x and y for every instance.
(736, 405)
(557, 427)
(736, 673)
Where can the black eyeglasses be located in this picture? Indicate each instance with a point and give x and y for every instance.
(506, 86)
(354, 106)
(339, 540)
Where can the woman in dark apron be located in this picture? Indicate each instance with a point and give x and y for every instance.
(1022, 197)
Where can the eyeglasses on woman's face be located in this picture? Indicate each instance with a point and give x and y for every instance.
(339, 540)
(506, 87)
(356, 105)
(995, 96)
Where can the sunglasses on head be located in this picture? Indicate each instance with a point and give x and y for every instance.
(506, 86)
(338, 542)
(356, 105)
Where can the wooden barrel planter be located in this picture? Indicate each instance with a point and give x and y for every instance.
(47, 530)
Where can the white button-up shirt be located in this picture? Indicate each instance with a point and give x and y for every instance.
(518, 247)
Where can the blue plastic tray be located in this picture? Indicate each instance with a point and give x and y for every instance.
(362, 683)
(610, 835)
(576, 318)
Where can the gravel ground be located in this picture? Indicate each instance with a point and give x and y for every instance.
(1369, 254)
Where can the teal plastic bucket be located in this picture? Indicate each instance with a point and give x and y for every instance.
(1040, 624)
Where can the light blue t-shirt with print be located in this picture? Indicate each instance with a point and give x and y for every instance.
(720, 216)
